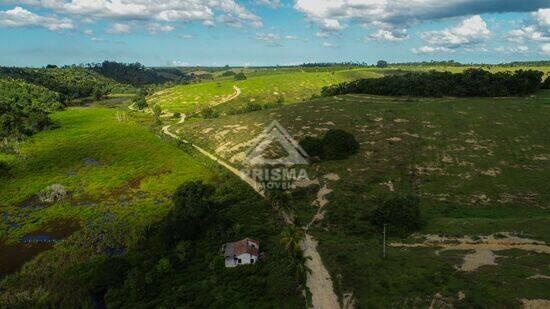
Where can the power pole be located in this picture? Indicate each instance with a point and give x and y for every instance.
(384, 243)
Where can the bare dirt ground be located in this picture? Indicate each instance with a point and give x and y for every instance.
(484, 247)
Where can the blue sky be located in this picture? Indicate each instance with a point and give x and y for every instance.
(271, 32)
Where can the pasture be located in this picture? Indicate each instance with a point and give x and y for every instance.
(479, 166)
(261, 87)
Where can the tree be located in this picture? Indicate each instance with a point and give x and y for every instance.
(300, 267)
(382, 64)
(291, 237)
(240, 76)
(192, 213)
(157, 110)
(338, 145)
(401, 214)
(141, 103)
(546, 83)
(313, 146)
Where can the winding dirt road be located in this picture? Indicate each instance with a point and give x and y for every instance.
(318, 281)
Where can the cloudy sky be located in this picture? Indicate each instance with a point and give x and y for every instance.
(270, 32)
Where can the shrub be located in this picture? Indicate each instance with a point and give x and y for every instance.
(401, 215)
(52, 194)
(228, 73)
(177, 115)
(209, 113)
(157, 110)
(141, 103)
(546, 83)
(313, 146)
(240, 76)
(338, 145)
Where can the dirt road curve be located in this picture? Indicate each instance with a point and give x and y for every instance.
(318, 281)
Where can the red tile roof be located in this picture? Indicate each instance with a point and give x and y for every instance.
(246, 245)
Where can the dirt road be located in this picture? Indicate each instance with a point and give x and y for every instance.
(318, 281)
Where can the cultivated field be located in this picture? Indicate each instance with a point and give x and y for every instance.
(480, 167)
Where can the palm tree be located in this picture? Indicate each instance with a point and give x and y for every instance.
(301, 269)
(291, 237)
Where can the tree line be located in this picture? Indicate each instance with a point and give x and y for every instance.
(137, 74)
(470, 83)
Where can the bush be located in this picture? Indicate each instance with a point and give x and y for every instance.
(18, 121)
(52, 194)
(335, 145)
(176, 115)
(228, 73)
(157, 110)
(339, 145)
(209, 113)
(401, 215)
(313, 146)
(240, 76)
(141, 103)
(546, 83)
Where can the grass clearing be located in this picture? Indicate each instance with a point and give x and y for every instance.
(479, 165)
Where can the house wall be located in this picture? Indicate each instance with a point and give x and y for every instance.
(245, 259)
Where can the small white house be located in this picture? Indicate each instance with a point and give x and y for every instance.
(241, 252)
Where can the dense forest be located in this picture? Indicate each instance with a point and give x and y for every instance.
(470, 83)
(177, 263)
(136, 74)
(70, 83)
(24, 108)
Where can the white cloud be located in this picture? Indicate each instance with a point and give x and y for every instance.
(269, 38)
(119, 28)
(185, 36)
(153, 28)
(178, 63)
(520, 49)
(472, 30)
(88, 32)
(545, 48)
(291, 37)
(204, 11)
(387, 35)
(328, 45)
(538, 29)
(431, 50)
(270, 3)
(20, 17)
(401, 13)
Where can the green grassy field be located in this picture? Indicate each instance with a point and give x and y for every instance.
(480, 166)
(261, 87)
(120, 177)
(107, 162)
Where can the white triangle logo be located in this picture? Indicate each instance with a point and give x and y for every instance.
(275, 133)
